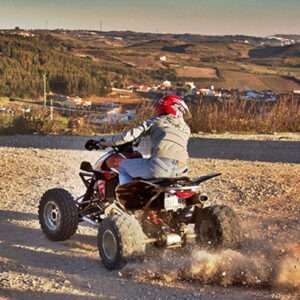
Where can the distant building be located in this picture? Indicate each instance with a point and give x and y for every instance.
(121, 91)
(25, 33)
(117, 116)
(26, 110)
(190, 85)
(87, 103)
(166, 84)
(143, 88)
(77, 100)
(73, 102)
(57, 97)
(207, 92)
(279, 41)
(266, 96)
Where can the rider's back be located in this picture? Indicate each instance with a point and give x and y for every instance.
(169, 137)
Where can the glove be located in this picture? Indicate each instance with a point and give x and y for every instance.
(101, 144)
(92, 145)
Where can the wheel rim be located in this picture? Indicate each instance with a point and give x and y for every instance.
(208, 232)
(52, 215)
(109, 244)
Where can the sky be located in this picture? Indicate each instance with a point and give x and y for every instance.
(219, 17)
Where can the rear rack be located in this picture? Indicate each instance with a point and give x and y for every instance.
(163, 185)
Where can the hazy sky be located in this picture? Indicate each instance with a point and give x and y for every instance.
(254, 17)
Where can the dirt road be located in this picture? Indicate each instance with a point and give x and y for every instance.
(265, 195)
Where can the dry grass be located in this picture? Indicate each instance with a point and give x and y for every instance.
(210, 117)
(244, 116)
(233, 116)
(37, 121)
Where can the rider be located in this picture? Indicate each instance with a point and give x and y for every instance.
(169, 135)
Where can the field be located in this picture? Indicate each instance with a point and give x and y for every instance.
(258, 81)
(197, 72)
(265, 196)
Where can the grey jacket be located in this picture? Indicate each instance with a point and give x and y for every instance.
(169, 137)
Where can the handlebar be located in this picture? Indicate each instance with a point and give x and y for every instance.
(96, 145)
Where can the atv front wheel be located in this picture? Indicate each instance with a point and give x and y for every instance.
(58, 214)
(217, 227)
(120, 239)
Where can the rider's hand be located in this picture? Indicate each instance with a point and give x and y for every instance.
(92, 145)
(102, 144)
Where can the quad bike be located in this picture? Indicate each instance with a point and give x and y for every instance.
(165, 212)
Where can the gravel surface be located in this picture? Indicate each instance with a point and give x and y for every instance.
(265, 195)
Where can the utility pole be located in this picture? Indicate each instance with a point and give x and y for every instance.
(100, 25)
(45, 89)
(45, 97)
(51, 110)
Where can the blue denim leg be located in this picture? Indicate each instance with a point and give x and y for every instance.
(147, 168)
(124, 177)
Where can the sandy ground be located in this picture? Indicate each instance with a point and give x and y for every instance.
(266, 196)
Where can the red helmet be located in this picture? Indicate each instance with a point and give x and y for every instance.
(172, 105)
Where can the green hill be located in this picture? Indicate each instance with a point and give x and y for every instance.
(23, 61)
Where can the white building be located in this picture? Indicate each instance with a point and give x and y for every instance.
(166, 84)
(25, 34)
(115, 116)
(190, 85)
(77, 100)
(87, 103)
(73, 102)
(163, 58)
(282, 41)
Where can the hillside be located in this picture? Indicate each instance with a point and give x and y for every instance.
(88, 63)
(271, 52)
(23, 62)
(223, 61)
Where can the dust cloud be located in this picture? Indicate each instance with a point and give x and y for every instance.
(267, 268)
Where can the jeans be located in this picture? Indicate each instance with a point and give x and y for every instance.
(148, 168)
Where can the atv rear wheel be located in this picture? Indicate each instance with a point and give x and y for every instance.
(58, 214)
(217, 227)
(120, 239)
